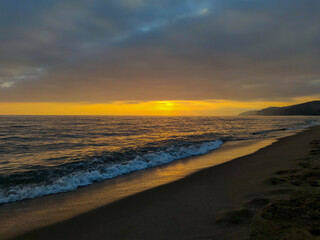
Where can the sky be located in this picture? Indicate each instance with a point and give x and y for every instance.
(157, 57)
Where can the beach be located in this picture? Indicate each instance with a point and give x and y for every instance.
(152, 120)
(228, 201)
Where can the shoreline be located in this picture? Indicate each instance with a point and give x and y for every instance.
(34, 213)
(186, 208)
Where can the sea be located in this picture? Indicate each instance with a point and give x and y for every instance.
(42, 155)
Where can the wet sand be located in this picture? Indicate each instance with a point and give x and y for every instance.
(234, 200)
(23, 216)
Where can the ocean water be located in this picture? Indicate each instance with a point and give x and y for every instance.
(41, 155)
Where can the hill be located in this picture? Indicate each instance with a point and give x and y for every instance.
(308, 108)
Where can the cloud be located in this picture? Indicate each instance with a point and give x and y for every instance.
(99, 51)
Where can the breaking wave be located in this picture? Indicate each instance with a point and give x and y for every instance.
(73, 180)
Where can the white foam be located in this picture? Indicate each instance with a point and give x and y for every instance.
(84, 178)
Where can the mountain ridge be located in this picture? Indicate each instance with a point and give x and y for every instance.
(311, 108)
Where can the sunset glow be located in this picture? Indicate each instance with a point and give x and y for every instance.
(138, 57)
(132, 119)
(157, 108)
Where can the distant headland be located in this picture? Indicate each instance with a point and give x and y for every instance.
(308, 108)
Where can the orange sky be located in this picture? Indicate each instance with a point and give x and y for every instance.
(209, 107)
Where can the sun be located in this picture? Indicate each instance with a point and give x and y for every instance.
(165, 106)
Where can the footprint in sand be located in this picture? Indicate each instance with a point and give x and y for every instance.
(274, 181)
(237, 217)
(257, 203)
(281, 191)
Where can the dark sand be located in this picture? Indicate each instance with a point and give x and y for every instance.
(259, 196)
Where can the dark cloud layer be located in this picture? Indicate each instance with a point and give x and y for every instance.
(98, 51)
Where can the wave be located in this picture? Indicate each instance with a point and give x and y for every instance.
(308, 123)
(81, 178)
(269, 131)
